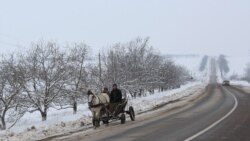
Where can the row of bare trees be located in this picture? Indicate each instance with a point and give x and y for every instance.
(137, 68)
(44, 77)
(49, 76)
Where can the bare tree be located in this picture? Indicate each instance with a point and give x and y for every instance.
(171, 75)
(77, 85)
(12, 107)
(46, 75)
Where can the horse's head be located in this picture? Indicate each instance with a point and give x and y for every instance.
(91, 98)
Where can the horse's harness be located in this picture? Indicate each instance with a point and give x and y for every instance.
(91, 105)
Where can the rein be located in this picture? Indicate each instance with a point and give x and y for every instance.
(97, 105)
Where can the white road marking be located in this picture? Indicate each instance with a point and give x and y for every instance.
(217, 122)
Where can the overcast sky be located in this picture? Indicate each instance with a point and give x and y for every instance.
(174, 26)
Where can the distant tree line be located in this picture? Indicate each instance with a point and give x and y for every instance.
(203, 63)
(223, 65)
(49, 76)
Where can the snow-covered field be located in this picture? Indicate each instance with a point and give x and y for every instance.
(192, 64)
(61, 121)
(237, 64)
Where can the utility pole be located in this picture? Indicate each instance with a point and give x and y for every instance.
(100, 69)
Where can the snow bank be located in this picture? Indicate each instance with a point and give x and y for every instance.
(54, 117)
(241, 83)
(152, 101)
(51, 126)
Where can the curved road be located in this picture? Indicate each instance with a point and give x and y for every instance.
(222, 113)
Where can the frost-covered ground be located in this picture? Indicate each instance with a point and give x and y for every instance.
(63, 121)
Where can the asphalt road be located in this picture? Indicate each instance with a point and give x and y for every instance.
(237, 126)
(184, 124)
(221, 114)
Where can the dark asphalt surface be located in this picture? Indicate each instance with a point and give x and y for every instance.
(237, 126)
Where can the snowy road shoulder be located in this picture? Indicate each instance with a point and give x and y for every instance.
(244, 85)
(153, 101)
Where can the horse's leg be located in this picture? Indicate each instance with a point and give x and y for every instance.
(105, 112)
(93, 118)
(107, 115)
(99, 116)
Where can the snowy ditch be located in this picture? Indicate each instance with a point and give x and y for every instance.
(30, 127)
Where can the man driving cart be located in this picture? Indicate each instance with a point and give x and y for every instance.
(116, 109)
(115, 98)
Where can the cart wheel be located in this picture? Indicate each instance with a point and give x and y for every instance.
(123, 118)
(132, 113)
(105, 121)
(96, 124)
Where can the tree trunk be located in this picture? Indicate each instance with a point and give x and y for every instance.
(3, 124)
(74, 107)
(44, 116)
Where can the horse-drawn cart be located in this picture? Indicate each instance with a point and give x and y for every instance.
(104, 111)
(119, 112)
